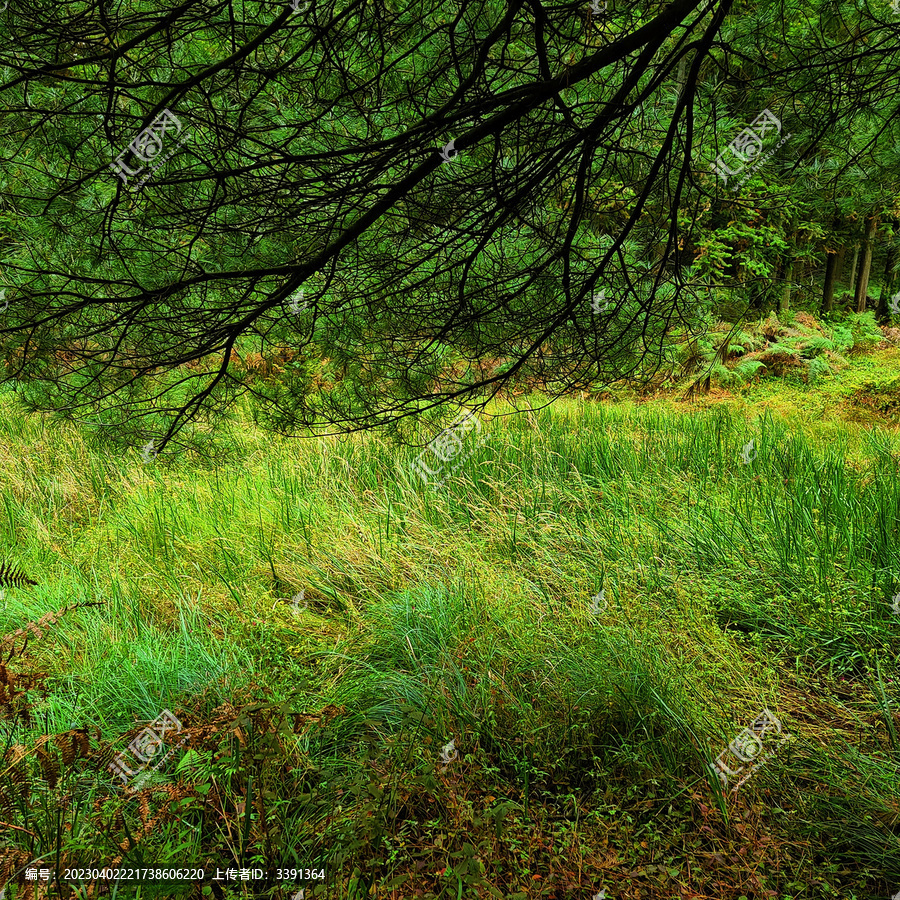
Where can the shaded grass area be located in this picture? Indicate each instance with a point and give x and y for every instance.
(323, 625)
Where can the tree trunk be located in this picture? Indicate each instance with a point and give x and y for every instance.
(683, 64)
(757, 298)
(784, 302)
(789, 269)
(862, 285)
(839, 265)
(828, 293)
(851, 283)
(888, 284)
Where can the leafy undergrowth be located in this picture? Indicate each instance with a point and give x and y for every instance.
(802, 347)
(398, 825)
(865, 393)
(880, 401)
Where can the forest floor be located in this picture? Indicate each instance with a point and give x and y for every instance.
(509, 685)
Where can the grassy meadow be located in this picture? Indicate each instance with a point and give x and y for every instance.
(509, 686)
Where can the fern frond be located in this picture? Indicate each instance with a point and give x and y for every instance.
(10, 576)
(747, 369)
(49, 765)
(35, 628)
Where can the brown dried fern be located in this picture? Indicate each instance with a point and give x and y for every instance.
(35, 627)
(149, 824)
(12, 863)
(14, 693)
(15, 770)
(73, 744)
(48, 762)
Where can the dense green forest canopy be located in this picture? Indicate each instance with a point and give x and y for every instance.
(390, 194)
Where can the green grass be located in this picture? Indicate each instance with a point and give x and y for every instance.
(465, 614)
